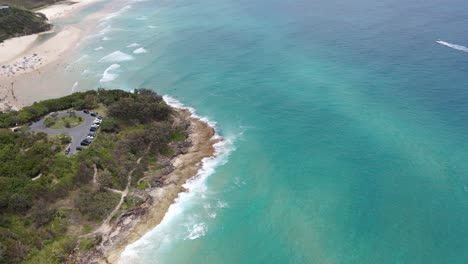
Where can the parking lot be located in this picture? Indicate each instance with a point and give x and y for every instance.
(77, 133)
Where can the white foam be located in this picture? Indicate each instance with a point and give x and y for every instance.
(177, 104)
(133, 45)
(195, 187)
(116, 14)
(74, 87)
(151, 26)
(222, 204)
(139, 51)
(453, 46)
(212, 215)
(99, 48)
(108, 76)
(105, 38)
(196, 230)
(105, 30)
(142, 18)
(116, 56)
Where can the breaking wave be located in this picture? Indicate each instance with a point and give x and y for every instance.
(108, 76)
(116, 56)
(116, 14)
(139, 51)
(133, 45)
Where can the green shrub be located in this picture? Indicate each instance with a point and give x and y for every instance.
(49, 121)
(96, 205)
(109, 125)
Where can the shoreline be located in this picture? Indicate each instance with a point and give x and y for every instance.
(132, 225)
(34, 84)
(26, 57)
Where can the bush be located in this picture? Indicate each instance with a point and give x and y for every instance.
(89, 243)
(64, 139)
(96, 205)
(109, 125)
(49, 121)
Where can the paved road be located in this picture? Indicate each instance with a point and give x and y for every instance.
(77, 134)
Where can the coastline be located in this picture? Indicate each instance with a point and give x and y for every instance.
(41, 61)
(133, 224)
(26, 58)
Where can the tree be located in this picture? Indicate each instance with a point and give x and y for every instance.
(19, 202)
(109, 125)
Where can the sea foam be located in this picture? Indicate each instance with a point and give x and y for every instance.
(453, 46)
(116, 56)
(116, 14)
(196, 188)
(108, 76)
(133, 45)
(139, 51)
(74, 87)
(196, 230)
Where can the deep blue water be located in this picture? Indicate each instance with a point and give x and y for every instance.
(345, 124)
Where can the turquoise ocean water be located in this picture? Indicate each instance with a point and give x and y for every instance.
(345, 125)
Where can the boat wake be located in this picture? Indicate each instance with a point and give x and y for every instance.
(453, 46)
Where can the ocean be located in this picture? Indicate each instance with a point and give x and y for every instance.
(344, 124)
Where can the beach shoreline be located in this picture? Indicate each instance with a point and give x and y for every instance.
(26, 57)
(32, 82)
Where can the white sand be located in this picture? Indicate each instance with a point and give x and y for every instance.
(11, 48)
(23, 55)
(64, 9)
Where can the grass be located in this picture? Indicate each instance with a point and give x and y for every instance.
(143, 185)
(63, 122)
(178, 136)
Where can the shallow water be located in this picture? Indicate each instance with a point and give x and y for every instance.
(345, 125)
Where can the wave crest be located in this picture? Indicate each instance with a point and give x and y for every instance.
(139, 51)
(108, 76)
(116, 56)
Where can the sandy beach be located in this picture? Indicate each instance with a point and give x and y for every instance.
(24, 58)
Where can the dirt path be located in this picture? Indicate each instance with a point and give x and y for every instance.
(105, 226)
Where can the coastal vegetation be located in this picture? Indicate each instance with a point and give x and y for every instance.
(29, 4)
(15, 22)
(63, 122)
(51, 202)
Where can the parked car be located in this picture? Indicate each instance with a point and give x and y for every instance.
(93, 114)
(67, 151)
(85, 142)
(99, 117)
(93, 128)
(79, 148)
(86, 111)
(92, 134)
